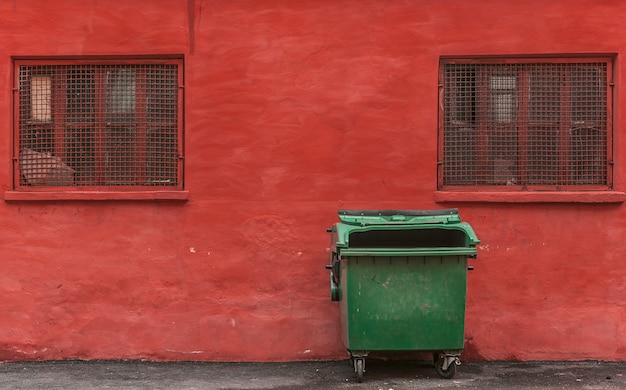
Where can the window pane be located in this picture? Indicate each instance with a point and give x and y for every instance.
(460, 116)
(460, 155)
(502, 107)
(500, 164)
(545, 94)
(120, 95)
(543, 156)
(81, 94)
(588, 95)
(121, 150)
(40, 98)
(503, 97)
(81, 154)
(587, 165)
(162, 120)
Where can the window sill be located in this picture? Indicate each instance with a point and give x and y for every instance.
(95, 195)
(531, 197)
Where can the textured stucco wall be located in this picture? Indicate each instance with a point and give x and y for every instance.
(294, 109)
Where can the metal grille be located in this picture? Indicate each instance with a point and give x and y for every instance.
(525, 124)
(104, 125)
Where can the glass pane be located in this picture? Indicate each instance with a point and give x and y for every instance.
(502, 107)
(122, 165)
(545, 85)
(162, 119)
(503, 82)
(80, 94)
(120, 95)
(41, 98)
(503, 98)
(588, 96)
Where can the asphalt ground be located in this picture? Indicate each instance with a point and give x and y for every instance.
(379, 375)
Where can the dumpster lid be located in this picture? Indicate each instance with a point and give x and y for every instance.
(418, 229)
(378, 217)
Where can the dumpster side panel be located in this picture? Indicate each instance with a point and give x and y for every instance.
(403, 303)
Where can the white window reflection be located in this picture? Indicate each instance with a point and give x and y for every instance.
(503, 98)
(120, 93)
(41, 98)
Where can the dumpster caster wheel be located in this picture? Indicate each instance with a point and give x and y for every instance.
(359, 367)
(447, 373)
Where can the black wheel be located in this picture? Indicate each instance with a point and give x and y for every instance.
(359, 368)
(449, 372)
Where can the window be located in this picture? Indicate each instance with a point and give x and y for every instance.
(101, 125)
(525, 124)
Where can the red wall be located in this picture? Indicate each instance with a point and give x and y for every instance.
(294, 109)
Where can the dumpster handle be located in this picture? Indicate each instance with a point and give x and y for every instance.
(389, 213)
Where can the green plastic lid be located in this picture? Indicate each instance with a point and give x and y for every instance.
(383, 217)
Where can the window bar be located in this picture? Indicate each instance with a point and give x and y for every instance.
(440, 127)
(17, 142)
(522, 91)
(141, 114)
(180, 82)
(482, 120)
(609, 126)
(59, 92)
(565, 128)
(100, 125)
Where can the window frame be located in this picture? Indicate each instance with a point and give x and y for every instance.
(525, 188)
(99, 191)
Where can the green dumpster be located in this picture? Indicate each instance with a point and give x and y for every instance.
(400, 279)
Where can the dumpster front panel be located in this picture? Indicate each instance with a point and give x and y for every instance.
(393, 303)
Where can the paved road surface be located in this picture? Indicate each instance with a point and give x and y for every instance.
(379, 375)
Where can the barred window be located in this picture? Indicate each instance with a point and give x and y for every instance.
(525, 124)
(101, 125)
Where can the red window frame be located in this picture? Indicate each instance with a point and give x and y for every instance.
(477, 142)
(132, 132)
